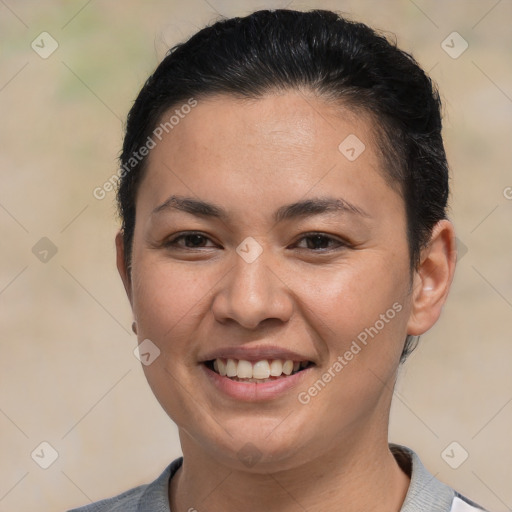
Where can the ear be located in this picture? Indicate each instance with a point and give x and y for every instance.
(432, 279)
(121, 266)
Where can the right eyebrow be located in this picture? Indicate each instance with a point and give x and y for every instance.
(193, 206)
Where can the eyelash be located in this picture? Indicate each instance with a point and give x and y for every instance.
(173, 242)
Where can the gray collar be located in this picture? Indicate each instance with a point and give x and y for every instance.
(425, 493)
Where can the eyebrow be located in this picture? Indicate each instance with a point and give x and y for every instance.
(304, 208)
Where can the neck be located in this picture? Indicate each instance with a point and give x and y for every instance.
(361, 477)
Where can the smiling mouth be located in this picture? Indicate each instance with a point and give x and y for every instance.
(265, 370)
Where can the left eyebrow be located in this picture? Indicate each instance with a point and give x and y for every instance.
(307, 207)
(317, 206)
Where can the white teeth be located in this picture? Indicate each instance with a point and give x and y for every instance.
(244, 369)
(222, 366)
(288, 367)
(276, 368)
(260, 370)
(231, 368)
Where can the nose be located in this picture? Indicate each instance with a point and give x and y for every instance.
(252, 294)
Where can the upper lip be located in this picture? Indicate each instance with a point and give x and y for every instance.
(253, 354)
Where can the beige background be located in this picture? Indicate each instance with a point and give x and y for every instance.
(67, 372)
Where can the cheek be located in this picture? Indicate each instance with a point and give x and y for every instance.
(347, 299)
(361, 315)
(168, 299)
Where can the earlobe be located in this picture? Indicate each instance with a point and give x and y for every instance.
(432, 279)
(121, 265)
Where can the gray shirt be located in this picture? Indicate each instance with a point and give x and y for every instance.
(425, 494)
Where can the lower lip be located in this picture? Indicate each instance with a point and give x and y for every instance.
(252, 391)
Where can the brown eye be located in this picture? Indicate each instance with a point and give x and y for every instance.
(190, 241)
(320, 242)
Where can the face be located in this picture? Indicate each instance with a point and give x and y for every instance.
(258, 240)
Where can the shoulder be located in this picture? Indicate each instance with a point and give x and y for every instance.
(426, 493)
(127, 501)
(144, 498)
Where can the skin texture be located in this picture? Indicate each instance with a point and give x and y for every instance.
(251, 158)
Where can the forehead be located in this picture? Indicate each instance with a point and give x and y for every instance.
(254, 151)
(291, 122)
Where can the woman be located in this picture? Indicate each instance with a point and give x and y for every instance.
(283, 192)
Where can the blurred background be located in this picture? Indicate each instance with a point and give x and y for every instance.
(78, 421)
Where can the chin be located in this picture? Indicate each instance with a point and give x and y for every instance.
(258, 446)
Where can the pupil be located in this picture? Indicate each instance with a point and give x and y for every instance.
(317, 241)
(195, 240)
